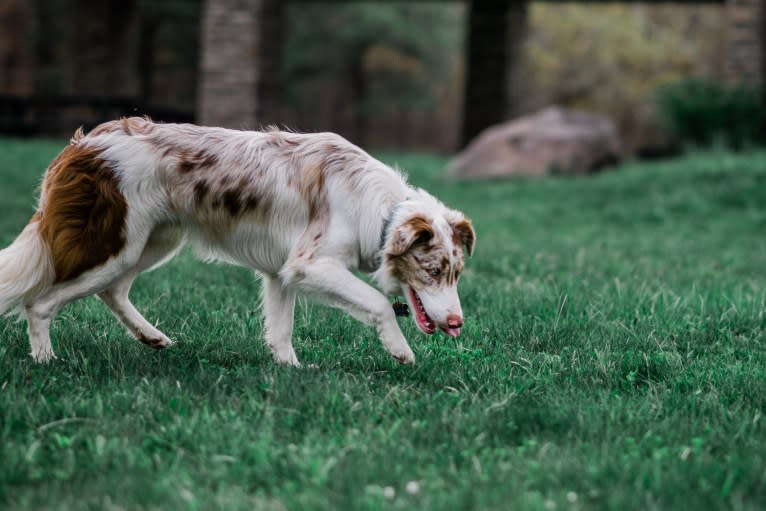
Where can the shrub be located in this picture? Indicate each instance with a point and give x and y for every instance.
(609, 58)
(702, 112)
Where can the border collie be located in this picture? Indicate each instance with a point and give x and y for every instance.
(303, 210)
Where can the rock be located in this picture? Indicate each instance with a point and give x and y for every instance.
(552, 141)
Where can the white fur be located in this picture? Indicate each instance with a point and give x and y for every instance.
(361, 193)
(25, 269)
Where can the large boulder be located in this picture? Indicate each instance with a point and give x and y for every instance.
(552, 141)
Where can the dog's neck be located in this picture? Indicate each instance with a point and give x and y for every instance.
(386, 228)
(385, 232)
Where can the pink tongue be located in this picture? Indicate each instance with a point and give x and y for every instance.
(452, 332)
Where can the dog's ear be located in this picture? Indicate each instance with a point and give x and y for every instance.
(415, 230)
(462, 232)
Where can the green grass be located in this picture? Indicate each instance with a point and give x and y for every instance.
(613, 358)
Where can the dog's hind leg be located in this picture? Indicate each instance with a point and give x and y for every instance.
(279, 311)
(162, 245)
(116, 298)
(38, 329)
(41, 312)
(116, 273)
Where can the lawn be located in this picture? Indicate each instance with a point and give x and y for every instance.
(613, 358)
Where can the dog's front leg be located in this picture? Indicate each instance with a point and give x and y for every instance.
(278, 310)
(333, 284)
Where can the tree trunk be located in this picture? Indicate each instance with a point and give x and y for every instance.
(496, 30)
(241, 62)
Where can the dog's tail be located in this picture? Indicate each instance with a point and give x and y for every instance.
(26, 269)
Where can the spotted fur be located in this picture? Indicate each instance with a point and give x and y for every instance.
(303, 210)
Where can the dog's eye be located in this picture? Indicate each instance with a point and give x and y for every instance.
(435, 272)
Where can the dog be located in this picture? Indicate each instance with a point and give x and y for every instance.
(305, 211)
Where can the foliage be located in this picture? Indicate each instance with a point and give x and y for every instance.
(613, 358)
(611, 58)
(400, 48)
(705, 112)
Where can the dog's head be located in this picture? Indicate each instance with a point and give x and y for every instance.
(422, 259)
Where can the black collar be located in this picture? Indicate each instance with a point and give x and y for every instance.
(400, 309)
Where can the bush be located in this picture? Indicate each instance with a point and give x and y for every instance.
(610, 58)
(703, 113)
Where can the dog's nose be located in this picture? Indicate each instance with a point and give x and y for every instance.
(454, 321)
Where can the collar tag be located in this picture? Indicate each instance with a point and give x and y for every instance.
(400, 309)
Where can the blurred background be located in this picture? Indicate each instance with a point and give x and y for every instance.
(389, 75)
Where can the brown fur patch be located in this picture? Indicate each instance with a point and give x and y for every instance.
(83, 218)
(205, 160)
(238, 201)
(185, 166)
(198, 161)
(312, 189)
(463, 234)
(455, 273)
(420, 225)
(415, 253)
(414, 267)
(415, 229)
(250, 203)
(411, 254)
(201, 189)
(406, 269)
(231, 202)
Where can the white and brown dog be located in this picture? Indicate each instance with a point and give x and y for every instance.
(303, 210)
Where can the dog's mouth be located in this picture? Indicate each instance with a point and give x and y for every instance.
(422, 319)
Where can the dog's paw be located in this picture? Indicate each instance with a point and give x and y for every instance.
(406, 357)
(43, 356)
(158, 342)
(286, 358)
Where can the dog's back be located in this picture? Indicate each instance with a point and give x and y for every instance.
(244, 197)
